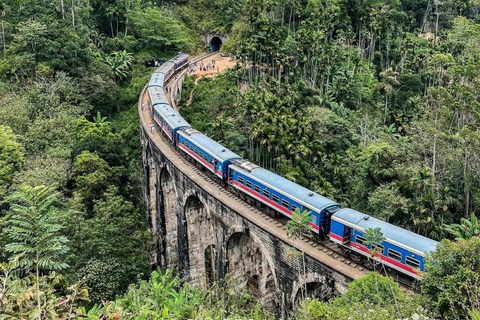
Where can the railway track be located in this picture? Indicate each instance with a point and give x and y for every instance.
(325, 246)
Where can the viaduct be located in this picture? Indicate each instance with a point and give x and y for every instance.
(206, 232)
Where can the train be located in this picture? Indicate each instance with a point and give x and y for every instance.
(402, 250)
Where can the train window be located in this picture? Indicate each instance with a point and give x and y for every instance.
(285, 203)
(378, 248)
(313, 219)
(394, 254)
(191, 147)
(240, 179)
(294, 207)
(211, 161)
(360, 240)
(183, 142)
(275, 198)
(196, 150)
(257, 188)
(249, 184)
(266, 193)
(205, 157)
(414, 263)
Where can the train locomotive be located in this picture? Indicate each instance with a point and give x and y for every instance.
(402, 250)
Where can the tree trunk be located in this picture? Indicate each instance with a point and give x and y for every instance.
(304, 274)
(467, 186)
(63, 9)
(3, 38)
(386, 108)
(39, 309)
(73, 14)
(212, 264)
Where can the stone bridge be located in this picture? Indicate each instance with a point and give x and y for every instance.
(206, 232)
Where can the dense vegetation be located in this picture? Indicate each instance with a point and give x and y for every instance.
(372, 103)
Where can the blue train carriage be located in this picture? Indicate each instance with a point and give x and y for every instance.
(402, 250)
(169, 120)
(207, 152)
(156, 96)
(282, 195)
(180, 60)
(157, 79)
(168, 68)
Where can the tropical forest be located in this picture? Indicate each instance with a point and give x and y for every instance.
(371, 103)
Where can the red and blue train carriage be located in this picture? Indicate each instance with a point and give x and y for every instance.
(402, 250)
(207, 152)
(282, 195)
(169, 120)
(180, 60)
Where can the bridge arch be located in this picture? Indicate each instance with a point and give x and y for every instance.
(313, 287)
(248, 266)
(154, 216)
(169, 203)
(201, 240)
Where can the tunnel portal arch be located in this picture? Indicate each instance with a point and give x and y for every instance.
(215, 44)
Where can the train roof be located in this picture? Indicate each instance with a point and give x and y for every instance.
(211, 146)
(157, 95)
(179, 57)
(308, 197)
(394, 234)
(171, 116)
(157, 79)
(166, 66)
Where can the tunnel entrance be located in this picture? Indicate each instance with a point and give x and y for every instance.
(215, 44)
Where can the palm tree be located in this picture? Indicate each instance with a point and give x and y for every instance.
(119, 62)
(388, 82)
(298, 227)
(466, 229)
(33, 232)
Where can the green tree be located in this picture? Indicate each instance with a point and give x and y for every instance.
(388, 84)
(466, 229)
(374, 238)
(298, 227)
(452, 281)
(372, 297)
(119, 62)
(34, 235)
(11, 158)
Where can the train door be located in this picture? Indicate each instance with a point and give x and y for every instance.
(327, 220)
(347, 232)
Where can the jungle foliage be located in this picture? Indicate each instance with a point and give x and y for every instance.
(374, 104)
